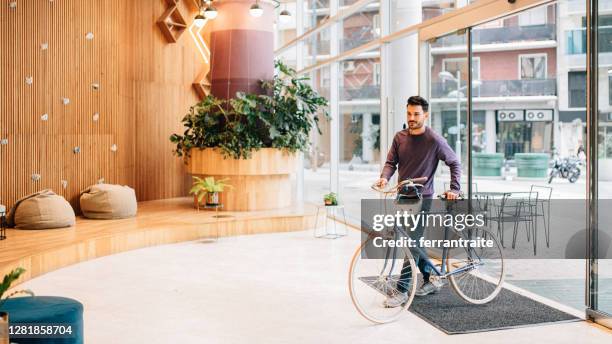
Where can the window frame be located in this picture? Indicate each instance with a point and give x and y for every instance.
(533, 55)
(475, 76)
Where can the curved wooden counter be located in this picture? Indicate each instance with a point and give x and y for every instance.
(261, 182)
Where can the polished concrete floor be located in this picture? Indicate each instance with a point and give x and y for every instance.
(269, 288)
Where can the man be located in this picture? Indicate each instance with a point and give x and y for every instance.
(415, 152)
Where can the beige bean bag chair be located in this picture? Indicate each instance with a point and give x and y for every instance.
(107, 201)
(41, 210)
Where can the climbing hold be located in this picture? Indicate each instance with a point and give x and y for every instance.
(65, 101)
(96, 117)
(29, 80)
(36, 177)
(95, 86)
(89, 36)
(44, 46)
(13, 5)
(76, 150)
(114, 147)
(44, 117)
(64, 183)
(4, 142)
(101, 181)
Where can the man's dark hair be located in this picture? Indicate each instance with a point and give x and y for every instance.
(418, 100)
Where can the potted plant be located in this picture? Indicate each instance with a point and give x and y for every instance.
(208, 187)
(330, 199)
(4, 286)
(253, 138)
(283, 119)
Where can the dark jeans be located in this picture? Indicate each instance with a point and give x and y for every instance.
(419, 255)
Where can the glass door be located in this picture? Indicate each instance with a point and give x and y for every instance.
(601, 151)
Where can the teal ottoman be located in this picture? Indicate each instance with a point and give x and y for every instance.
(47, 310)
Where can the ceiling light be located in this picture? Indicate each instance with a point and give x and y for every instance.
(284, 16)
(199, 20)
(210, 12)
(256, 10)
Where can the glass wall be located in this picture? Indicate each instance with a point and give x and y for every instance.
(447, 81)
(360, 27)
(359, 121)
(527, 116)
(528, 111)
(603, 282)
(317, 160)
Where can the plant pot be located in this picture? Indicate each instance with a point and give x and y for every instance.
(261, 182)
(212, 198)
(4, 328)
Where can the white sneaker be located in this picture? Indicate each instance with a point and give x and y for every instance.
(396, 301)
(428, 288)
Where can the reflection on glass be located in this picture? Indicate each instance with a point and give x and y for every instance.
(361, 27)
(359, 109)
(528, 111)
(448, 98)
(316, 160)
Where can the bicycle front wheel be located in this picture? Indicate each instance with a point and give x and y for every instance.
(476, 272)
(379, 275)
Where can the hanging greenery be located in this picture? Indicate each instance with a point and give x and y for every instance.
(281, 118)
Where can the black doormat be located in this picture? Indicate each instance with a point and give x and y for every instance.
(451, 314)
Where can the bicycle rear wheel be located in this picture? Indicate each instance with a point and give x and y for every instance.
(476, 273)
(374, 275)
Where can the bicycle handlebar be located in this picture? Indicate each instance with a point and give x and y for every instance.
(414, 182)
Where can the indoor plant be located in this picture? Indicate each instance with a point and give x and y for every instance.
(209, 188)
(4, 286)
(253, 139)
(330, 199)
(282, 118)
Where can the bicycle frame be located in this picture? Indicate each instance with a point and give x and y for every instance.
(439, 272)
(442, 273)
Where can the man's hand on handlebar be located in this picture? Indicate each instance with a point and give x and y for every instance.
(452, 195)
(381, 183)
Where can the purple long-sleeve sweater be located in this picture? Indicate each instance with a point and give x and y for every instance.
(418, 155)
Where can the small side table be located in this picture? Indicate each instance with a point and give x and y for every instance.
(216, 207)
(333, 210)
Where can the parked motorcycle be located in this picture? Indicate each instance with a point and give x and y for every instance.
(568, 168)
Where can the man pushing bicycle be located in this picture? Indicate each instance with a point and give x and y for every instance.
(415, 152)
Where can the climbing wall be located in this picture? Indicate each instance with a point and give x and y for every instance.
(90, 92)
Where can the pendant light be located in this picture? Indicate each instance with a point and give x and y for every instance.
(284, 16)
(256, 10)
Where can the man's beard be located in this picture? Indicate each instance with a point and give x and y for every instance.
(415, 125)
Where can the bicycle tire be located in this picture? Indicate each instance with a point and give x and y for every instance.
(353, 281)
(468, 293)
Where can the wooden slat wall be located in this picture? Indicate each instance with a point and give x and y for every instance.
(145, 89)
(163, 75)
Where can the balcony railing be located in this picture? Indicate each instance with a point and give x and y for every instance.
(499, 88)
(576, 40)
(353, 92)
(318, 47)
(350, 43)
(501, 35)
(361, 92)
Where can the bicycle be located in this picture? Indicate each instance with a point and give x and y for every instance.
(476, 274)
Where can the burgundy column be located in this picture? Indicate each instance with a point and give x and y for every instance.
(241, 47)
